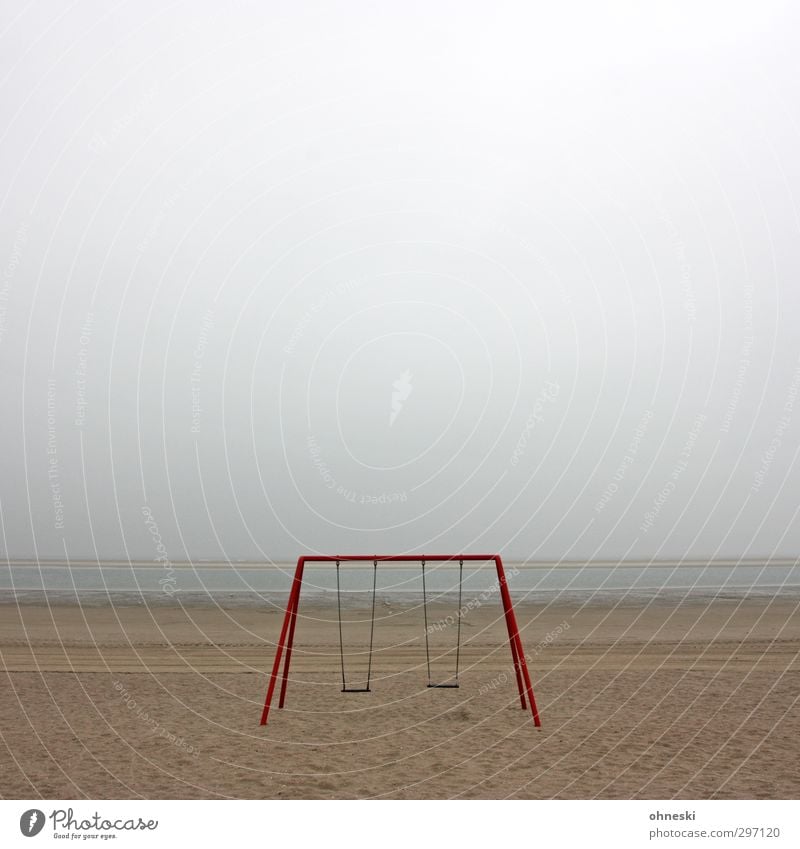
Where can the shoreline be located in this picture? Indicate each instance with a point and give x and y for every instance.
(363, 598)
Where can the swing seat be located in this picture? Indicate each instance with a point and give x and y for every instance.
(443, 686)
(356, 690)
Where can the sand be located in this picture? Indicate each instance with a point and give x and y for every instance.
(659, 700)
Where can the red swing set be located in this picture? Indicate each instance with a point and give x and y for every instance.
(286, 639)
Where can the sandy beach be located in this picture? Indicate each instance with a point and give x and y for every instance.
(675, 700)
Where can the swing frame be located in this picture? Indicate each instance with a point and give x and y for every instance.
(286, 638)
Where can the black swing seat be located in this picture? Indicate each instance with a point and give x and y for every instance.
(356, 690)
(444, 686)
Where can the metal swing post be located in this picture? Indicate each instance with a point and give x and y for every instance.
(290, 640)
(286, 629)
(517, 652)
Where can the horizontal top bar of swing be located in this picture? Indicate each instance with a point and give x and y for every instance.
(395, 558)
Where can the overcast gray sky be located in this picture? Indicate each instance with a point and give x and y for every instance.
(280, 277)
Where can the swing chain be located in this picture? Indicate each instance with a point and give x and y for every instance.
(345, 688)
(425, 615)
(341, 638)
(458, 633)
(454, 685)
(372, 620)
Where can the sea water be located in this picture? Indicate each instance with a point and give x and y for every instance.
(247, 583)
